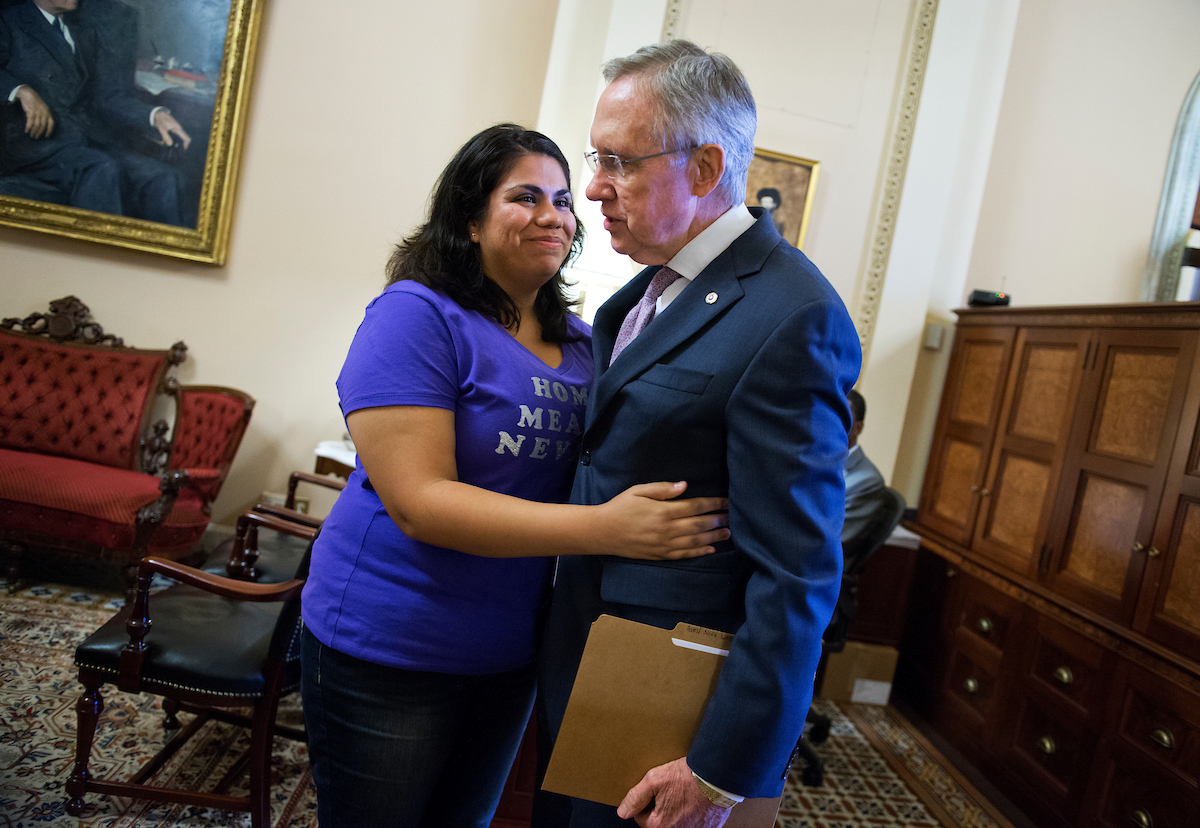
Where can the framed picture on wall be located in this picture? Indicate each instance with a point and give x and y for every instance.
(784, 186)
(126, 120)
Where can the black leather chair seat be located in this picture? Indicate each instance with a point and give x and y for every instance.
(218, 646)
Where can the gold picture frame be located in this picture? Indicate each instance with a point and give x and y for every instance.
(211, 104)
(790, 181)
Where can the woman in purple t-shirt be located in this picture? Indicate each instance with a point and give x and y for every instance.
(465, 391)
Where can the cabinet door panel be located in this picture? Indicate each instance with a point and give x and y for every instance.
(984, 361)
(1121, 446)
(1181, 598)
(1173, 611)
(1169, 606)
(1027, 455)
(966, 426)
(1102, 537)
(1133, 408)
(960, 468)
(1018, 494)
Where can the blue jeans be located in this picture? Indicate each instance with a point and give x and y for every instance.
(394, 747)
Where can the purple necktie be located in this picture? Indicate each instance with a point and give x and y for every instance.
(639, 315)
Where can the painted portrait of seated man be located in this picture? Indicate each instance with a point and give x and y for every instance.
(75, 130)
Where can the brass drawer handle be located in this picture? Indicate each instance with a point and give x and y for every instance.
(984, 625)
(971, 685)
(1152, 552)
(1064, 675)
(974, 489)
(1142, 819)
(1046, 745)
(1163, 738)
(984, 492)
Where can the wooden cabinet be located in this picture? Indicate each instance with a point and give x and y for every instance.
(1151, 760)
(1118, 457)
(1063, 491)
(966, 426)
(1029, 445)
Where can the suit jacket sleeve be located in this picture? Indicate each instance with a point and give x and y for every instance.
(786, 445)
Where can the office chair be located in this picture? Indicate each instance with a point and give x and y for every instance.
(864, 532)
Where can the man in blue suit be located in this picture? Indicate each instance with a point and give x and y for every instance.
(736, 385)
(65, 103)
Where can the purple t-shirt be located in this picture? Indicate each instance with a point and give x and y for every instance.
(376, 594)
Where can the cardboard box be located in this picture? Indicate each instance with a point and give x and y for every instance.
(860, 673)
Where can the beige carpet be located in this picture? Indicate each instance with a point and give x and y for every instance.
(879, 771)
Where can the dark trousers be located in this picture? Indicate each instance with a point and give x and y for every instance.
(112, 181)
(393, 747)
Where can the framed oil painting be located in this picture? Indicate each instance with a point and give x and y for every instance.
(784, 186)
(121, 121)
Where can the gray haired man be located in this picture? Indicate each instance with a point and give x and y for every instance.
(725, 363)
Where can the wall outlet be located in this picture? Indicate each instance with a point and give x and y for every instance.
(277, 499)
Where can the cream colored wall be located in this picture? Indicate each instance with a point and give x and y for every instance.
(824, 78)
(352, 118)
(934, 229)
(1090, 102)
(351, 123)
(1093, 93)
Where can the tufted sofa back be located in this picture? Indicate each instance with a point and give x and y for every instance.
(209, 425)
(78, 401)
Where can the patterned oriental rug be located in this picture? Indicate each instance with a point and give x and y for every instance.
(879, 771)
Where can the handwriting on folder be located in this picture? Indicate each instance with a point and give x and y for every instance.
(637, 702)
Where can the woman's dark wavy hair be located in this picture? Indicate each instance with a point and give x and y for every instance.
(440, 254)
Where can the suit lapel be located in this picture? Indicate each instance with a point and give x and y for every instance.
(612, 313)
(36, 27)
(687, 314)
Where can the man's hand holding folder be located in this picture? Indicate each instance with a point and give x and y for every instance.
(638, 699)
(669, 796)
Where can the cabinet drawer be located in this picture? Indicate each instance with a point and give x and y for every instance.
(1052, 754)
(1161, 721)
(1070, 667)
(1133, 798)
(971, 683)
(987, 615)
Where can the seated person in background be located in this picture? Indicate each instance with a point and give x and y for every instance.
(863, 480)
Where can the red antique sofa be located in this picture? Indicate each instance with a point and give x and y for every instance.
(82, 469)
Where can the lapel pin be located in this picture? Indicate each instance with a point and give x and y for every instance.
(712, 297)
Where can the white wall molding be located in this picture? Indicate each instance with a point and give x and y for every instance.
(920, 35)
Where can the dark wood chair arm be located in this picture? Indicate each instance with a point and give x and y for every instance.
(297, 476)
(138, 625)
(219, 584)
(285, 513)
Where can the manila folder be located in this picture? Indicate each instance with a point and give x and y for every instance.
(637, 702)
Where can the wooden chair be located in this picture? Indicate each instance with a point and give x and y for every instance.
(206, 645)
(268, 559)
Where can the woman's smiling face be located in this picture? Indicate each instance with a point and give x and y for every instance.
(525, 235)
